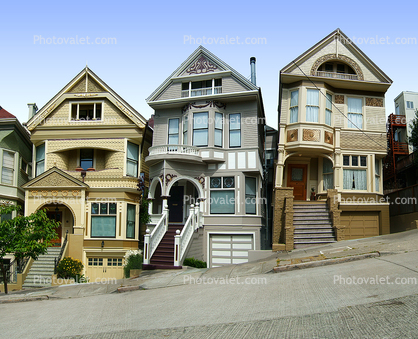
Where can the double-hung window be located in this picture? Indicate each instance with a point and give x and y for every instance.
(132, 160)
(250, 195)
(235, 130)
(294, 104)
(355, 112)
(130, 221)
(312, 105)
(355, 172)
(7, 170)
(200, 129)
(328, 109)
(218, 129)
(40, 159)
(328, 174)
(86, 158)
(103, 220)
(222, 195)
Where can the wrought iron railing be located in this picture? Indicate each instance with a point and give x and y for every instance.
(58, 259)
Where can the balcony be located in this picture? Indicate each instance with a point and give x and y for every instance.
(174, 152)
(336, 75)
(400, 147)
(399, 120)
(201, 91)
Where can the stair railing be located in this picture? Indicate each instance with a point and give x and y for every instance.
(153, 239)
(182, 239)
(63, 247)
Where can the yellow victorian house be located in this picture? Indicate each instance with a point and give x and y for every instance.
(89, 146)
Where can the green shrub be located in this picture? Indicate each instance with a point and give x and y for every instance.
(69, 268)
(192, 262)
(133, 262)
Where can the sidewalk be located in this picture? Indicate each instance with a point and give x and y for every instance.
(281, 261)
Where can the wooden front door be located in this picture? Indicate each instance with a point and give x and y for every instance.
(57, 216)
(296, 178)
(175, 204)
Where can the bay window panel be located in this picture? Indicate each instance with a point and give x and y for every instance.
(312, 105)
(103, 226)
(222, 202)
(130, 221)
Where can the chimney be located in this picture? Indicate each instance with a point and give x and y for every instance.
(252, 63)
(32, 110)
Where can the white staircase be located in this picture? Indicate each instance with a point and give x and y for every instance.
(42, 269)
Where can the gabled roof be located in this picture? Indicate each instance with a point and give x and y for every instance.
(340, 36)
(5, 115)
(54, 177)
(194, 57)
(86, 72)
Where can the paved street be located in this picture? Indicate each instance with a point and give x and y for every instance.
(305, 303)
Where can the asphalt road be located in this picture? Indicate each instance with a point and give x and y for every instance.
(373, 298)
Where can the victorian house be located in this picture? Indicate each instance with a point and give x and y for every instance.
(89, 147)
(332, 139)
(206, 165)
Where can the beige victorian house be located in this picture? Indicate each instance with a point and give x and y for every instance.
(332, 139)
(89, 146)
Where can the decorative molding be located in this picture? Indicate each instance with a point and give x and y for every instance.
(85, 95)
(311, 135)
(340, 57)
(329, 138)
(169, 177)
(208, 104)
(374, 102)
(201, 66)
(339, 99)
(292, 135)
(201, 181)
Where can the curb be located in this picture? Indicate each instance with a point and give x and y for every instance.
(128, 289)
(324, 262)
(18, 300)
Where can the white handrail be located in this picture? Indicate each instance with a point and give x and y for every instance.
(153, 239)
(182, 240)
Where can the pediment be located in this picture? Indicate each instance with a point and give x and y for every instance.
(55, 178)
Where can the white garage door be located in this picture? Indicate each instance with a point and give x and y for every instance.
(226, 249)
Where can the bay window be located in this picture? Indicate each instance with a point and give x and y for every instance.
(103, 220)
(355, 112)
(328, 109)
(130, 221)
(40, 159)
(218, 129)
(354, 172)
(7, 170)
(222, 195)
(200, 129)
(294, 102)
(250, 195)
(235, 130)
(132, 160)
(312, 105)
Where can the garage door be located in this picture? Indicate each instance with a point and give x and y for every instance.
(360, 224)
(226, 249)
(104, 268)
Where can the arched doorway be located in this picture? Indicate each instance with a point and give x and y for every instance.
(64, 216)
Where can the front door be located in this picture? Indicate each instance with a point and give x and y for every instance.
(175, 204)
(56, 215)
(296, 178)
